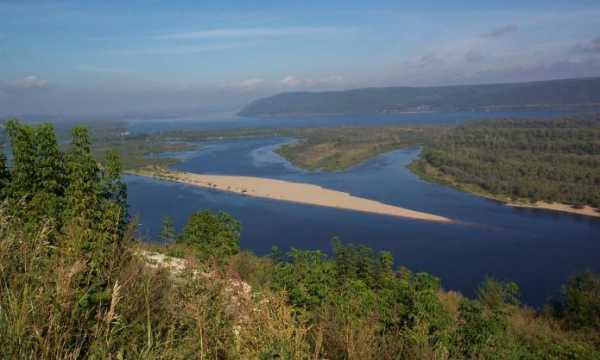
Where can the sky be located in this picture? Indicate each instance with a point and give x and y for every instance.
(156, 57)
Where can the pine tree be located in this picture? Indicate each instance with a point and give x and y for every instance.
(167, 230)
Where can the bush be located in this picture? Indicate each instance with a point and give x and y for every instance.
(211, 236)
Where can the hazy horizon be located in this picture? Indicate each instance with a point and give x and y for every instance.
(150, 57)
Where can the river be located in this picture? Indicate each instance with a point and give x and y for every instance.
(537, 249)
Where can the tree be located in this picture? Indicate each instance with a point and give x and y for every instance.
(308, 278)
(496, 294)
(37, 175)
(579, 306)
(481, 334)
(4, 176)
(83, 177)
(23, 160)
(113, 189)
(50, 179)
(213, 236)
(167, 230)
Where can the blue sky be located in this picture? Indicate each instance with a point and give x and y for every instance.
(115, 57)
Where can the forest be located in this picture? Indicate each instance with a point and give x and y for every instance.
(78, 282)
(541, 95)
(551, 160)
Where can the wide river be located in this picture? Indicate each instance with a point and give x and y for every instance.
(537, 249)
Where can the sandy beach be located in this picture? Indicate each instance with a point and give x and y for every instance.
(585, 211)
(290, 191)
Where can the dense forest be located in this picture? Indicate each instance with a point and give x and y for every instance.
(555, 160)
(76, 282)
(491, 97)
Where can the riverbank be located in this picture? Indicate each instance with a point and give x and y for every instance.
(566, 208)
(288, 191)
(431, 174)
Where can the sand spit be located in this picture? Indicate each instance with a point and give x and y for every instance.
(585, 211)
(290, 191)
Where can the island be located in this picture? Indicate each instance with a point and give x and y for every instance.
(550, 164)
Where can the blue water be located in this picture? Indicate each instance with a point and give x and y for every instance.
(537, 249)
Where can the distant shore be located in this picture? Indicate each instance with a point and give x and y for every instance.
(289, 191)
(431, 175)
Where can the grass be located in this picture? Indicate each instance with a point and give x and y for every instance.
(335, 149)
(137, 153)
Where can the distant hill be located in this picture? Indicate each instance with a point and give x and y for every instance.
(491, 97)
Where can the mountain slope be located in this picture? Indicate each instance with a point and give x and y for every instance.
(542, 94)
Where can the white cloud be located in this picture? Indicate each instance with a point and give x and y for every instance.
(250, 32)
(250, 84)
(291, 81)
(30, 82)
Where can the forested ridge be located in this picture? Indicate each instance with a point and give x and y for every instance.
(553, 94)
(552, 160)
(76, 282)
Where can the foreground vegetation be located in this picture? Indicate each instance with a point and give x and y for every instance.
(76, 283)
(520, 160)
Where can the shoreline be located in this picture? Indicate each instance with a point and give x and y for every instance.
(295, 192)
(586, 211)
(556, 207)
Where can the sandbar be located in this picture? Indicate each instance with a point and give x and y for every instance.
(585, 211)
(290, 191)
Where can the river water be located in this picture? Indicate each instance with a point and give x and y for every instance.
(537, 249)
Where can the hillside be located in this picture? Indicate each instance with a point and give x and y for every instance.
(491, 97)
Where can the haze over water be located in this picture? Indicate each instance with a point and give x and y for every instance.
(537, 249)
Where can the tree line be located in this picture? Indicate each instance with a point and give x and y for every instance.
(556, 160)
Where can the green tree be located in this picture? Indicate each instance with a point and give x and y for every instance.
(167, 230)
(83, 177)
(385, 269)
(276, 254)
(4, 176)
(213, 236)
(22, 143)
(496, 294)
(113, 189)
(37, 178)
(482, 334)
(308, 278)
(579, 306)
(50, 180)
